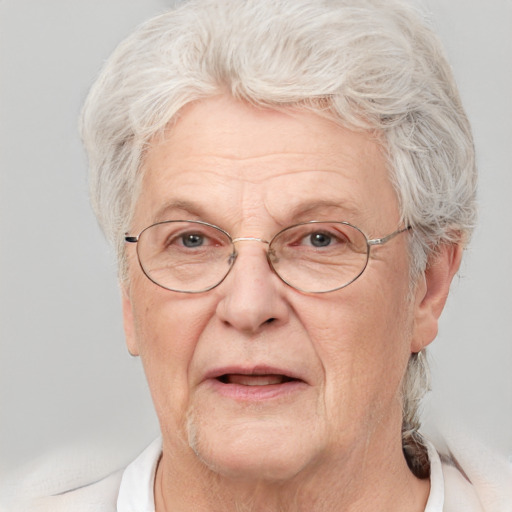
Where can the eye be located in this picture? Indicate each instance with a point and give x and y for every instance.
(324, 238)
(316, 237)
(320, 239)
(173, 238)
(190, 239)
(193, 240)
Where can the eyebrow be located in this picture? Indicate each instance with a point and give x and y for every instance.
(302, 211)
(319, 207)
(180, 205)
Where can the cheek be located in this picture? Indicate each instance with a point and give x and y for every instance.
(167, 328)
(363, 342)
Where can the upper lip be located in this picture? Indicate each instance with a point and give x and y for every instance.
(218, 372)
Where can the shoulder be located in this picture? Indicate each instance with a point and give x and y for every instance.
(82, 481)
(100, 496)
(459, 492)
(78, 479)
(476, 479)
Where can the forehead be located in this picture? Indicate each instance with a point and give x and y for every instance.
(226, 158)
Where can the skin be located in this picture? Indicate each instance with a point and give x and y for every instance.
(332, 440)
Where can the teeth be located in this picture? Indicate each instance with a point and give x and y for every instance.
(255, 380)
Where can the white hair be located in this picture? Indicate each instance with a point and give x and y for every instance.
(368, 64)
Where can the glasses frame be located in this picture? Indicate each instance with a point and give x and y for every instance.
(370, 242)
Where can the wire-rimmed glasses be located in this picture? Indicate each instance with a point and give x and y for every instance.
(192, 256)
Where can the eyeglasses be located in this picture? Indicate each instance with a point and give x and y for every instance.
(193, 256)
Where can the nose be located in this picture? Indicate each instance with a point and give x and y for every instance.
(252, 295)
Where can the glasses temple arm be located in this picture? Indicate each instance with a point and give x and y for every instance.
(383, 240)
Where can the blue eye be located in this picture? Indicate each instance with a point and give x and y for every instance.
(192, 240)
(320, 239)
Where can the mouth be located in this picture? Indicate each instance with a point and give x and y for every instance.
(243, 379)
(256, 384)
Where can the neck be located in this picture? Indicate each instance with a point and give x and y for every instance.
(363, 480)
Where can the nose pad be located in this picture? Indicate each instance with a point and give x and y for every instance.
(272, 258)
(232, 259)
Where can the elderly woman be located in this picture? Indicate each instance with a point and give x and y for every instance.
(289, 185)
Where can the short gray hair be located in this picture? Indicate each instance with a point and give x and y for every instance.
(368, 64)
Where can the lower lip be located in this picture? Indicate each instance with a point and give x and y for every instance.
(256, 393)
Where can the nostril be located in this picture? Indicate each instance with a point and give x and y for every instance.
(269, 321)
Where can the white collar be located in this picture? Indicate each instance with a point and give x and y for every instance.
(136, 490)
(435, 501)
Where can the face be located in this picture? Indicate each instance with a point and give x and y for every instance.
(255, 377)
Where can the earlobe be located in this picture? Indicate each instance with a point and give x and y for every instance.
(431, 293)
(128, 321)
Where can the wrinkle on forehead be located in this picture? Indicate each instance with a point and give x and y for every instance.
(239, 166)
(242, 190)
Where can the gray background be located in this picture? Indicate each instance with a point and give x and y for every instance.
(65, 376)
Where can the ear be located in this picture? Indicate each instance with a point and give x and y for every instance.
(431, 293)
(128, 321)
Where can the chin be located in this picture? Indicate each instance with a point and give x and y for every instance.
(260, 450)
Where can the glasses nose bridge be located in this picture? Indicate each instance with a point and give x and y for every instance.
(250, 239)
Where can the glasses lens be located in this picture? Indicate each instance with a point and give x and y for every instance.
(185, 256)
(319, 256)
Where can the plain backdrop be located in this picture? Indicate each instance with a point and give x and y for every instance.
(65, 375)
